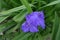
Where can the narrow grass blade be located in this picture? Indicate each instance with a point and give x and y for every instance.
(25, 36)
(18, 36)
(6, 26)
(8, 12)
(13, 29)
(22, 36)
(25, 2)
(55, 27)
(18, 18)
(50, 4)
(58, 34)
(3, 18)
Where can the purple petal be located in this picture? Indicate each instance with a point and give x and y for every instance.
(25, 27)
(33, 29)
(32, 19)
(36, 18)
(35, 13)
(41, 14)
(42, 24)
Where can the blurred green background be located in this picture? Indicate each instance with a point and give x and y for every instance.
(12, 15)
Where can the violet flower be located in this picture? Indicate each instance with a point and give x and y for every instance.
(32, 22)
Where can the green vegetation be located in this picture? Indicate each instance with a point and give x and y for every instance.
(12, 15)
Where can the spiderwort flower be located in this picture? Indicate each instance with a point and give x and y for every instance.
(32, 22)
(29, 27)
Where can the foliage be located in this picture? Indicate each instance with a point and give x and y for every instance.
(12, 15)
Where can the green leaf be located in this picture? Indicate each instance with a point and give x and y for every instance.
(12, 10)
(22, 36)
(18, 36)
(6, 26)
(13, 29)
(25, 36)
(18, 18)
(50, 4)
(8, 12)
(58, 34)
(3, 18)
(25, 2)
(55, 27)
(40, 37)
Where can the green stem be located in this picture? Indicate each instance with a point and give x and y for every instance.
(25, 2)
